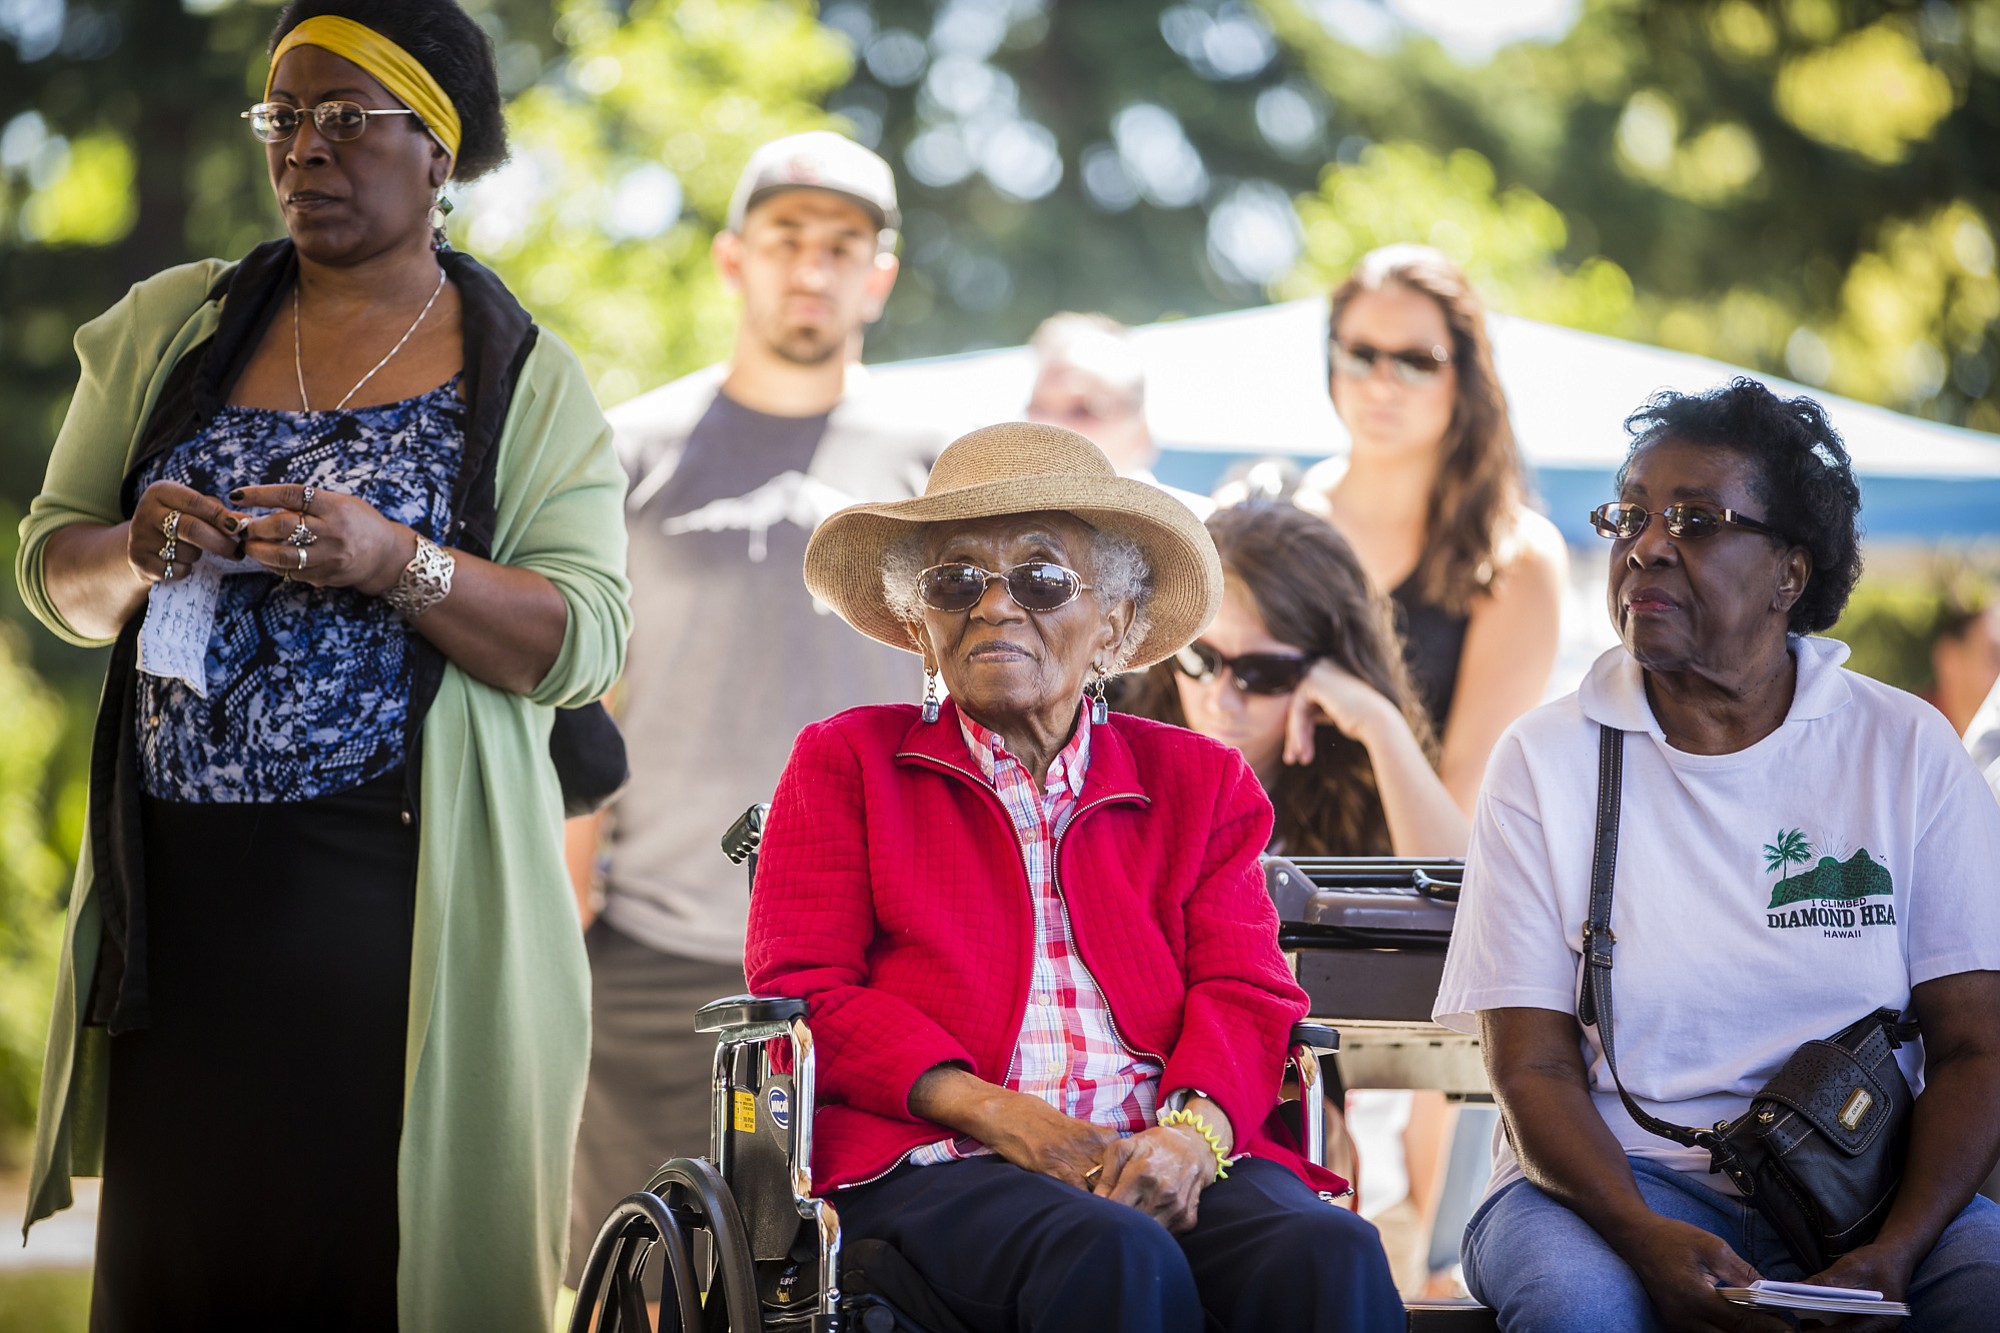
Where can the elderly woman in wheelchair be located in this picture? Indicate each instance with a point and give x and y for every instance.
(1049, 1012)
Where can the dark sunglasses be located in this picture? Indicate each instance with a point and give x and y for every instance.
(1415, 367)
(275, 122)
(1038, 585)
(1688, 522)
(1254, 673)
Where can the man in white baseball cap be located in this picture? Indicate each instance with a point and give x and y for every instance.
(730, 469)
(819, 160)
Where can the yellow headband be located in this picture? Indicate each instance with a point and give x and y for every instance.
(397, 70)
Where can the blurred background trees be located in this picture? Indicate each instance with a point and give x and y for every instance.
(1807, 187)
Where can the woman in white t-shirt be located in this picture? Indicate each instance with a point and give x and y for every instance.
(1757, 773)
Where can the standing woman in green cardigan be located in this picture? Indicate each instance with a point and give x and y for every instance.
(354, 527)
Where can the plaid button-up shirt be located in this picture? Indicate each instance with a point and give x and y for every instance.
(1069, 1052)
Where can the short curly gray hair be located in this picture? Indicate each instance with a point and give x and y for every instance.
(1119, 573)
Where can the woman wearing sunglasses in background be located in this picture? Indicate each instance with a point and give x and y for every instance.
(1432, 499)
(1300, 671)
(326, 997)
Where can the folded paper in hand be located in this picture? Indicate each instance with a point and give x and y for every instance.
(1806, 1297)
(180, 617)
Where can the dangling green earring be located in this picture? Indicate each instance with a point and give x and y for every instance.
(441, 207)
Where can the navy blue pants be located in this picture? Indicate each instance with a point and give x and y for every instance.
(1010, 1251)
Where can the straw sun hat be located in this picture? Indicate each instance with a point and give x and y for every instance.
(1020, 468)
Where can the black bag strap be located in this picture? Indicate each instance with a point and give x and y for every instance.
(1594, 1003)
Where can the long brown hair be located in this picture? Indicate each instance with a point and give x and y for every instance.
(1479, 477)
(1311, 593)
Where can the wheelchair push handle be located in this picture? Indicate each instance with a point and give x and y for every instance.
(742, 840)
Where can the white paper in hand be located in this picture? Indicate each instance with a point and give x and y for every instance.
(1806, 1298)
(180, 617)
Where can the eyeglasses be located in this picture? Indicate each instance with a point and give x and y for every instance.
(1038, 585)
(1689, 522)
(1415, 367)
(1254, 673)
(275, 122)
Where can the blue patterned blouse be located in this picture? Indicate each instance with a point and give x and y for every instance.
(308, 688)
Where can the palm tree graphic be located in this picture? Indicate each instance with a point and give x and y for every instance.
(1790, 849)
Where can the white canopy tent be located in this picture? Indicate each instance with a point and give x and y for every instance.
(1224, 388)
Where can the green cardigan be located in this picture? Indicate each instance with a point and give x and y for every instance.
(499, 1026)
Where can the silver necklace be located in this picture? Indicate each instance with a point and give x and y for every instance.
(298, 353)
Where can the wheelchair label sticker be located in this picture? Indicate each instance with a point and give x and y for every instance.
(745, 1120)
(780, 1103)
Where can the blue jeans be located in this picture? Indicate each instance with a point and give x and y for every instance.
(1543, 1269)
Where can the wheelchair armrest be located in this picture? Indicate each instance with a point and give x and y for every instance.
(1317, 1037)
(735, 1012)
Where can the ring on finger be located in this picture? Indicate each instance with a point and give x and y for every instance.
(302, 557)
(169, 552)
(302, 536)
(170, 526)
(1090, 1176)
(306, 502)
(168, 577)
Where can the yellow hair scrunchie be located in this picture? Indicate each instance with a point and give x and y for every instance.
(400, 72)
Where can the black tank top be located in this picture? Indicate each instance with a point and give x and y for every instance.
(1433, 641)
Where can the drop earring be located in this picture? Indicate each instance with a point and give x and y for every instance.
(441, 207)
(1100, 711)
(930, 695)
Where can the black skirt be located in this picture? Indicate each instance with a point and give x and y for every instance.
(252, 1128)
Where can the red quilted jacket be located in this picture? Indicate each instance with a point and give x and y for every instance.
(891, 897)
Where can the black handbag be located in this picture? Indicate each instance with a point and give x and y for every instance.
(588, 751)
(1820, 1151)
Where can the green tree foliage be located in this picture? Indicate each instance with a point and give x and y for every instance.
(1807, 186)
(33, 881)
(1128, 156)
(625, 154)
(1511, 241)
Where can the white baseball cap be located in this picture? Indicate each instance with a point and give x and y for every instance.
(817, 160)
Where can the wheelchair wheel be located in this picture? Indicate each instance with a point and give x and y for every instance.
(611, 1298)
(685, 1203)
(696, 1192)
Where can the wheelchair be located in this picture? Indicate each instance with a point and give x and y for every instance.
(739, 1240)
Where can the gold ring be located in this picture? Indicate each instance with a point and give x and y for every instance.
(1090, 1176)
(171, 524)
(306, 502)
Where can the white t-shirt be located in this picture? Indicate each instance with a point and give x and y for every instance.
(1763, 898)
(1982, 737)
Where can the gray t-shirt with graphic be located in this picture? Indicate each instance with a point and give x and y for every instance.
(730, 655)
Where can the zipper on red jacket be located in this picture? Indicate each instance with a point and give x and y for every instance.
(903, 1157)
(1014, 840)
(1055, 877)
(1062, 900)
(1069, 928)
